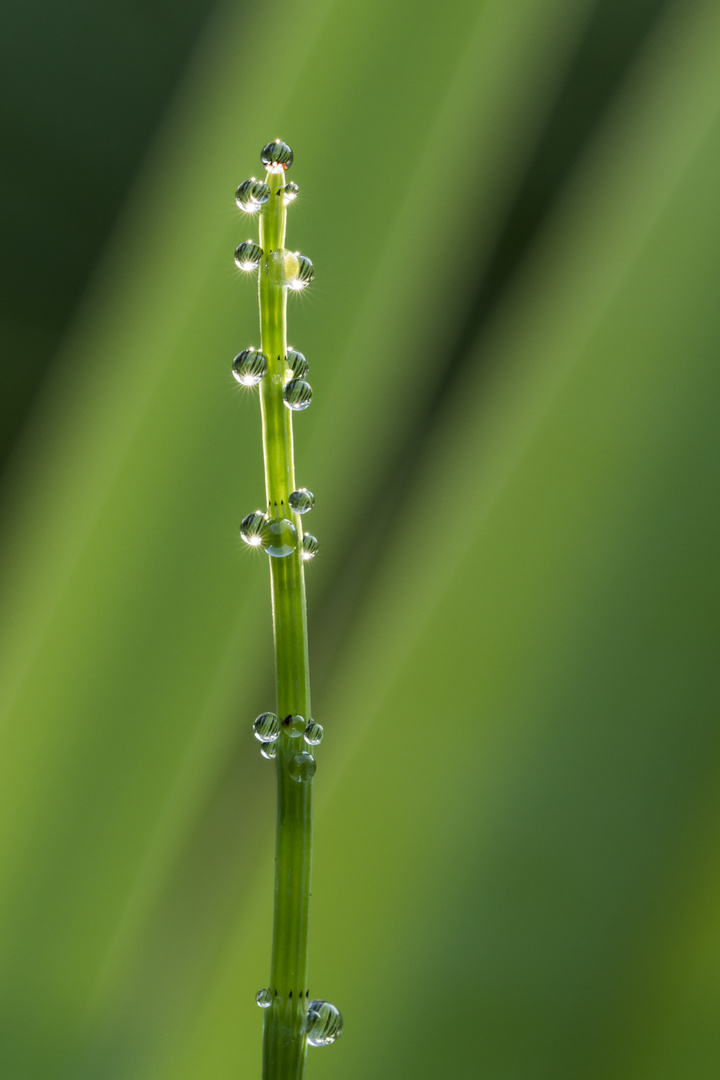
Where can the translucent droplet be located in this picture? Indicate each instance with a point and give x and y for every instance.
(269, 750)
(251, 195)
(248, 255)
(313, 733)
(276, 156)
(289, 192)
(294, 725)
(267, 727)
(250, 366)
(251, 528)
(324, 1023)
(279, 538)
(305, 274)
(296, 363)
(297, 394)
(309, 547)
(301, 767)
(282, 266)
(301, 500)
(264, 998)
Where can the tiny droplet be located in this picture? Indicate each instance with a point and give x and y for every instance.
(289, 192)
(301, 767)
(269, 750)
(248, 255)
(264, 998)
(279, 538)
(276, 156)
(297, 394)
(301, 500)
(267, 727)
(313, 733)
(250, 366)
(296, 363)
(323, 1024)
(294, 725)
(309, 547)
(304, 274)
(251, 195)
(251, 528)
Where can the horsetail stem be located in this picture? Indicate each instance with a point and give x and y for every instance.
(292, 1020)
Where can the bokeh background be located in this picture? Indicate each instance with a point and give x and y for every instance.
(512, 207)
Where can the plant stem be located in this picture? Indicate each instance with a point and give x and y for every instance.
(284, 1043)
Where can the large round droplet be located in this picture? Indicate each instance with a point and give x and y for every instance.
(251, 528)
(267, 727)
(250, 366)
(297, 394)
(269, 750)
(313, 733)
(264, 998)
(294, 726)
(289, 192)
(251, 195)
(304, 275)
(248, 255)
(276, 156)
(279, 538)
(296, 364)
(323, 1024)
(301, 500)
(301, 767)
(309, 547)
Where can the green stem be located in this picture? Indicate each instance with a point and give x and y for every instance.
(284, 1043)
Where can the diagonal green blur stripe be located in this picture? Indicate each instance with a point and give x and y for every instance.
(530, 732)
(133, 632)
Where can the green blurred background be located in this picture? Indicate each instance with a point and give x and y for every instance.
(512, 207)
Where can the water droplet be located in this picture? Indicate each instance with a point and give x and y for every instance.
(296, 363)
(301, 767)
(269, 750)
(297, 394)
(267, 727)
(279, 538)
(251, 528)
(301, 500)
(250, 366)
(282, 266)
(304, 275)
(251, 195)
(294, 725)
(309, 547)
(248, 255)
(276, 156)
(313, 733)
(324, 1023)
(264, 998)
(289, 192)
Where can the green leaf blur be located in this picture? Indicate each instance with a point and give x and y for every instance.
(513, 614)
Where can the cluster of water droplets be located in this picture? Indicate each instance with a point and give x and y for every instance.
(267, 728)
(323, 1020)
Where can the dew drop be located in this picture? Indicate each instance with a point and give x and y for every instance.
(279, 538)
(323, 1024)
(264, 998)
(297, 394)
(301, 767)
(250, 366)
(251, 528)
(304, 275)
(282, 266)
(301, 501)
(296, 363)
(313, 733)
(269, 750)
(251, 195)
(248, 255)
(267, 727)
(289, 192)
(309, 547)
(294, 725)
(276, 156)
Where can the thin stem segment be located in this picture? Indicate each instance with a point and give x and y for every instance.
(284, 1042)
